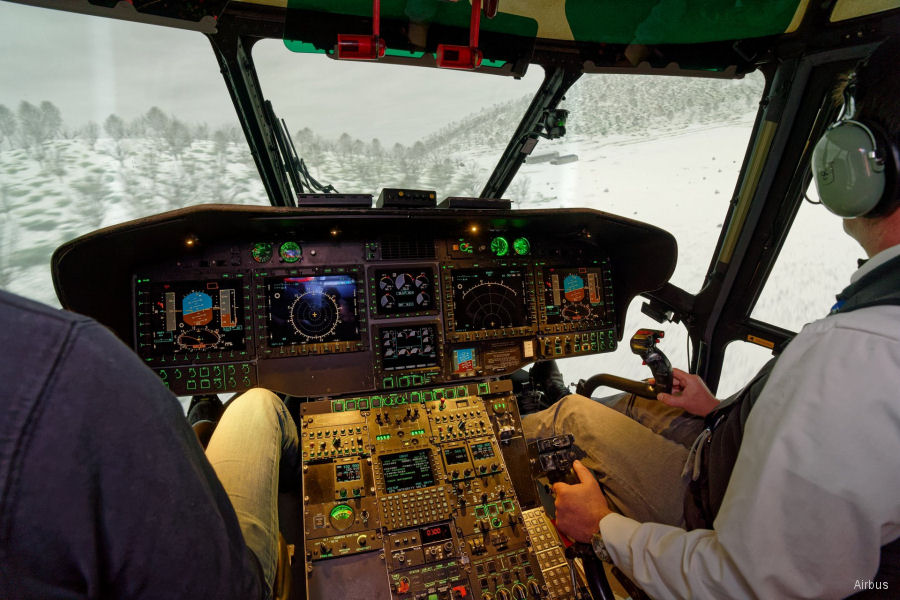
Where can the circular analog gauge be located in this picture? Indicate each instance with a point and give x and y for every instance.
(341, 517)
(197, 339)
(290, 252)
(314, 315)
(576, 312)
(387, 301)
(422, 281)
(521, 246)
(499, 246)
(386, 283)
(422, 299)
(261, 252)
(402, 280)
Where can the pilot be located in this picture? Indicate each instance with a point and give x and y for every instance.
(798, 497)
(105, 491)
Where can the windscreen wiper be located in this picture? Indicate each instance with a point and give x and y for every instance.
(542, 119)
(293, 165)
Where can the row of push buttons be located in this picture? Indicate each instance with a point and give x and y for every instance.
(415, 508)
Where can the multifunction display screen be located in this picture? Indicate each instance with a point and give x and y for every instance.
(347, 472)
(411, 347)
(404, 290)
(310, 309)
(406, 471)
(490, 299)
(184, 317)
(465, 361)
(482, 450)
(575, 296)
(455, 456)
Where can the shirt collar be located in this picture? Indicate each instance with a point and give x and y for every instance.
(876, 261)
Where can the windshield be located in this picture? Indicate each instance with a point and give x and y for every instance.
(131, 120)
(362, 127)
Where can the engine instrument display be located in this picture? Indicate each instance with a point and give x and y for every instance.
(404, 290)
(310, 309)
(412, 347)
(490, 299)
(186, 317)
(575, 296)
(406, 471)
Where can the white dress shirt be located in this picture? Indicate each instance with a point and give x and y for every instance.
(815, 490)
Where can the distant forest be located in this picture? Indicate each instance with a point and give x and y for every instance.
(58, 181)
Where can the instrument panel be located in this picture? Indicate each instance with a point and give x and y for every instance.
(420, 496)
(324, 302)
(397, 326)
(415, 329)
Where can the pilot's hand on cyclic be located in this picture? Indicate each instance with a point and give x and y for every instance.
(580, 507)
(690, 394)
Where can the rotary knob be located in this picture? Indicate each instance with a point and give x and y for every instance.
(535, 589)
(519, 592)
(503, 595)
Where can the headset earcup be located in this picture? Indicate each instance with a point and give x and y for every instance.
(850, 181)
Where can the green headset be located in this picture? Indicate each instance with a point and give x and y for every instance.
(856, 165)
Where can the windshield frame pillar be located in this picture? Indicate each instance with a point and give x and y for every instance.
(548, 96)
(233, 53)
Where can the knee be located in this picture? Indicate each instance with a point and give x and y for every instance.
(557, 419)
(256, 402)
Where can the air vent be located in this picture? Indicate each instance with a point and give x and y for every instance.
(405, 248)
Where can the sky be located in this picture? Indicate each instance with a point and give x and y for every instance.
(91, 67)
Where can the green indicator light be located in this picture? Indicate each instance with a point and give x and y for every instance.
(521, 246)
(499, 246)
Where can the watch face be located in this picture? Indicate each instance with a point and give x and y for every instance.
(600, 548)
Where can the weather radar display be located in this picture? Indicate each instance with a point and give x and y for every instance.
(574, 296)
(489, 299)
(190, 317)
(311, 309)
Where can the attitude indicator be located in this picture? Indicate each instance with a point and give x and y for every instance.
(577, 296)
(189, 317)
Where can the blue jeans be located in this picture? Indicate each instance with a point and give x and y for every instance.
(255, 440)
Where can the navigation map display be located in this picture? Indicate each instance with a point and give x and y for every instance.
(575, 296)
(310, 309)
(490, 299)
(404, 290)
(185, 317)
(411, 347)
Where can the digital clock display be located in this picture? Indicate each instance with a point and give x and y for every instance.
(435, 533)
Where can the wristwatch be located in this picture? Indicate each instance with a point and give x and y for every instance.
(600, 548)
